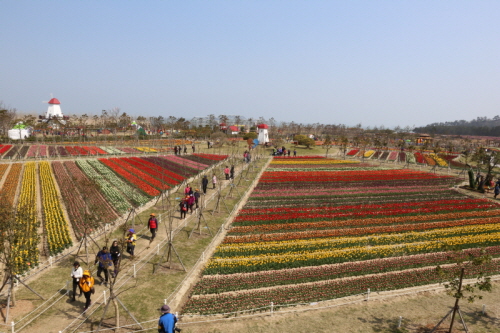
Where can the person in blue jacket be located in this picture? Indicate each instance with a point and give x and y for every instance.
(105, 262)
(166, 323)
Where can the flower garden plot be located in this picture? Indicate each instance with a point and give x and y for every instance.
(9, 187)
(121, 169)
(319, 235)
(116, 189)
(148, 179)
(4, 148)
(157, 171)
(27, 215)
(12, 153)
(56, 226)
(183, 171)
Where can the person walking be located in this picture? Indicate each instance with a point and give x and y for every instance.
(167, 321)
(87, 286)
(497, 190)
(196, 196)
(76, 274)
(190, 201)
(175, 150)
(188, 190)
(294, 152)
(183, 207)
(152, 225)
(114, 250)
(231, 172)
(226, 172)
(185, 150)
(103, 258)
(130, 239)
(204, 184)
(214, 180)
(193, 148)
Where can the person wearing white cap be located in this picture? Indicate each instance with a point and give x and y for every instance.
(166, 323)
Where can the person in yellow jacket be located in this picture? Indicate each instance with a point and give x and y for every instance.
(87, 286)
(130, 239)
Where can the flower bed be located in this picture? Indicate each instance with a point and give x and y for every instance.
(56, 226)
(307, 236)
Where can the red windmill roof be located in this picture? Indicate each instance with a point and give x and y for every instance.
(262, 126)
(54, 101)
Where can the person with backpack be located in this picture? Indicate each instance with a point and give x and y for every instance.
(183, 206)
(103, 258)
(152, 225)
(167, 321)
(87, 286)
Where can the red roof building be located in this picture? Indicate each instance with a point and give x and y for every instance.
(54, 101)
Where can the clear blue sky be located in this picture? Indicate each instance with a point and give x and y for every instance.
(370, 62)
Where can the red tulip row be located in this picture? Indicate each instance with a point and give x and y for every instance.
(360, 213)
(143, 186)
(139, 173)
(4, 148)
(394, 220)
(141, 165)
(327, 176)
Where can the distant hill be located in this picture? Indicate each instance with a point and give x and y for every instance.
(482, 126)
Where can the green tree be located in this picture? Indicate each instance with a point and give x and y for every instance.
(303, 140)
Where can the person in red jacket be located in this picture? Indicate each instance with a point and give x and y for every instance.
(152, 225)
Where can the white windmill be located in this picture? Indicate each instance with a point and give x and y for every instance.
(54, 111)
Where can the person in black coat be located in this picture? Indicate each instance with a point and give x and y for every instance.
(204, 184)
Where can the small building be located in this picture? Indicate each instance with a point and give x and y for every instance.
(19, 132)
(234, 129)
(263, 135)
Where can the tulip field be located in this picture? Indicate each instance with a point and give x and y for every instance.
(317, 229)
(73, 197)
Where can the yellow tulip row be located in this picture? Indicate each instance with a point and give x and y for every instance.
(300, 245)
(357, 252)
(26, 215)
(56, 225)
